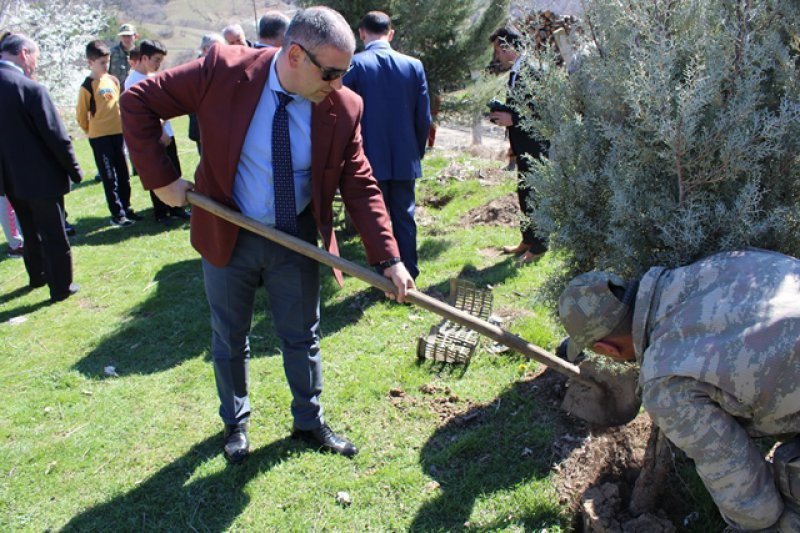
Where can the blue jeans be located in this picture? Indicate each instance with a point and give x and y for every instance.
(292, 283)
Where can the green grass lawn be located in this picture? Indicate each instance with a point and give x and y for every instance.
(141, 451)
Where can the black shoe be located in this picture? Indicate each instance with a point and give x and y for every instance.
(72, 289)
(37, 282)
(121, 221)
(133, 215)
(179, 213)
(236, 446)
(326, 440)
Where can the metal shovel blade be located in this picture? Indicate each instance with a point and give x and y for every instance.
(611, 400)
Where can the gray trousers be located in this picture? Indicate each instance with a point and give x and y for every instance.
(292, 283)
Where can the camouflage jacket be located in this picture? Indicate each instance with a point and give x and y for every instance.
(119, 67)
(719, 346)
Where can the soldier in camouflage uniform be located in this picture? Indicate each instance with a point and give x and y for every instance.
(119, 67)
(718, 342)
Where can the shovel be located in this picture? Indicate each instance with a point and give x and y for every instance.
(595, 395)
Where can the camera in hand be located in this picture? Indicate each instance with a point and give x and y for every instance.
(496, 105)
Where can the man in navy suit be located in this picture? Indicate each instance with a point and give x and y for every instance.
(395, 124)
(37, 163)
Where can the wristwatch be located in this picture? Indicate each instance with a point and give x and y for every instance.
(383, 265)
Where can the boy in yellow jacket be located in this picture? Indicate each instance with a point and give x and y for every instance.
(98, 115)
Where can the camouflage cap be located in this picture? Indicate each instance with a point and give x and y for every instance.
(589, 309)
(127, 29)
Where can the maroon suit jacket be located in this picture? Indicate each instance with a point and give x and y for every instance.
(223, 90)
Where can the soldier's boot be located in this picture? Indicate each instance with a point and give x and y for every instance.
(786, 468)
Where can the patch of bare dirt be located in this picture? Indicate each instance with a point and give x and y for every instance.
(503, 211)
(491, 253)
(596, 471)
(440, 399)
(596, 468)
(600, 455)
(423, 217)
(493, 176)
(508, 315)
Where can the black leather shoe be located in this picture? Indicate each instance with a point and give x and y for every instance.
(37, 282)
(72, 289)
(326, 440)
(237, 445)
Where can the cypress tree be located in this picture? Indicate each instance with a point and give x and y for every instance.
(675, 133)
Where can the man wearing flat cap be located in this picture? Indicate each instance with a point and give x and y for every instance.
(120, 66)
(718, 343)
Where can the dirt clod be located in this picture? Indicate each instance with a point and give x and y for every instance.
(604, 512)
(503, 211)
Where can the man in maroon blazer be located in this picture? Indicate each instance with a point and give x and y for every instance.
(250, 103)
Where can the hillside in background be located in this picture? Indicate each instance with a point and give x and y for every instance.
(180, 24)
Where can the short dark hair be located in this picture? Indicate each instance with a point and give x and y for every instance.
(96, 50)
(135, 53)
(507, 35)
(148, 48)
(318, 26)
(272, 25)
(15, 43)
(376, 23)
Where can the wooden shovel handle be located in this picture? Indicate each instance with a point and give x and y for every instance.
(516, 343)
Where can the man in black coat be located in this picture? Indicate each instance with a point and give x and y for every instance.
(37, 163)
(507, 43)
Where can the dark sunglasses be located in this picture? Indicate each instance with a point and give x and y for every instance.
(328, 73)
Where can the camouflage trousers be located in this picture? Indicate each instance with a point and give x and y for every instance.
(786, 469)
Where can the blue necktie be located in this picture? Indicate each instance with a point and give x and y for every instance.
(283, 176)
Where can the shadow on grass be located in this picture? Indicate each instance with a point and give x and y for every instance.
(492, 275)
(493, 448)
(8, 314)
(169, 501)
(97, 231)
(430, 248)
(173, 324)
(166, 329)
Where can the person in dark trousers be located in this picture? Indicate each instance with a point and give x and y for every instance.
(37, 163)
(280, 135)
(97, 113)
(507, 43)
(151, 55)
(395, 124)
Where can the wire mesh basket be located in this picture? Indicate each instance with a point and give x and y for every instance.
(452, 343)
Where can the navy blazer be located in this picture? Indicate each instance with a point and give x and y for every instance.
(397, 111)
(36, 156)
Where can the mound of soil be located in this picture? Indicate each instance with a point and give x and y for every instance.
(503, 211)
